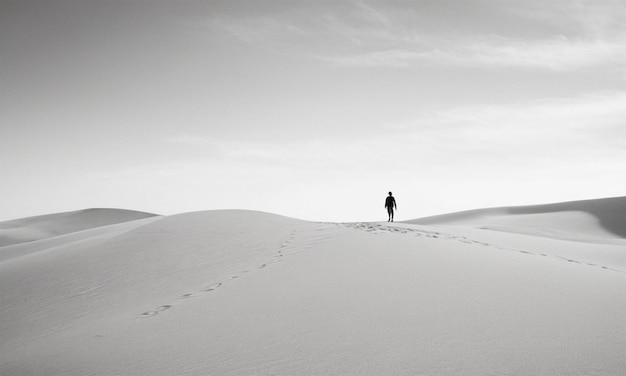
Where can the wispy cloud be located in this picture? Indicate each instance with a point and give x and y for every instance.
(588, 19)
(558, 54)
(256, 29)
(371, 34)
(561, 130)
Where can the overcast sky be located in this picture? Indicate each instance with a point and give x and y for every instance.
(310, 109)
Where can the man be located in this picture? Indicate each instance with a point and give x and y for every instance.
(390, 204)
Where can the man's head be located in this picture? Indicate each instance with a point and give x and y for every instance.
(389, 193)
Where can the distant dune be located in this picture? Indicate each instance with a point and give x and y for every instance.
(234, 292)
(600, 218)
(46, 226)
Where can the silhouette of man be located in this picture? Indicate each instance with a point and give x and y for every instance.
(390, 204)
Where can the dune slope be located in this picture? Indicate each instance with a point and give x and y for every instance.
(248, 293)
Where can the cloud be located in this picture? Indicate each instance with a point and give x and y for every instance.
(572, 36)
(558, 54)
(540, 134)
(589, 19)
(255, 29)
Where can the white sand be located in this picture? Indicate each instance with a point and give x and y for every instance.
(248, 293)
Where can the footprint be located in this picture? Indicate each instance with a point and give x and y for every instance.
(262, 266)
(186, 296)
(213, 287)
(156, 311)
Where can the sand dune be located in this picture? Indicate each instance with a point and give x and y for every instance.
(249, 293)
(576, 220)
(46, 226)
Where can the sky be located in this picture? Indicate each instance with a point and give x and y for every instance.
(310, 109)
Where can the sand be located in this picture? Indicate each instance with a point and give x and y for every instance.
(232, 292)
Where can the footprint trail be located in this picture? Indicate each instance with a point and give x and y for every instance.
(376, 228)
(283, 249)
